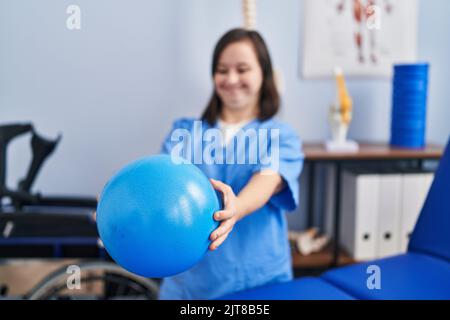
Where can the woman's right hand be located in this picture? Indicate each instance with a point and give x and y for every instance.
(227, 217)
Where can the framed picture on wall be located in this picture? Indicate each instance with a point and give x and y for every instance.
(363, 37)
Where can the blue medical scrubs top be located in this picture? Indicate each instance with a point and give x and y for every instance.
(257, 250)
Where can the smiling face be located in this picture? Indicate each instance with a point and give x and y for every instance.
(238, 77)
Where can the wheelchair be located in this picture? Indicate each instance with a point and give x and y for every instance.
(43, 227)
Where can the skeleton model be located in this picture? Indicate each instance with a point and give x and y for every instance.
(249, 12)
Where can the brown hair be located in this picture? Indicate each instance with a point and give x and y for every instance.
(269, 100)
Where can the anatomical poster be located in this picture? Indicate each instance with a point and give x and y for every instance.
(363, 37)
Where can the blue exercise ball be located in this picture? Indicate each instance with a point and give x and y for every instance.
(155, 216)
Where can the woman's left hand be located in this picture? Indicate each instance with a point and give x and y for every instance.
(228, 216)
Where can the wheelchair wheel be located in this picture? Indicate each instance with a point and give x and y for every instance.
(99, 280)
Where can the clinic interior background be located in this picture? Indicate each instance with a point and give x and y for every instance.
(113, 88)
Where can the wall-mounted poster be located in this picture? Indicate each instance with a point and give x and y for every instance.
(363, 37)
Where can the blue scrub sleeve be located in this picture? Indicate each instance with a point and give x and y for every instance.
(289, 167)
(168, 144)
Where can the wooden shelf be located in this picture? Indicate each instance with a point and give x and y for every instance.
(319, 259)
(372, 151)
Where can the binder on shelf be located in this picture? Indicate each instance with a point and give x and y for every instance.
(330, 195)
(379, 209)
(359, 210)
(389, 218)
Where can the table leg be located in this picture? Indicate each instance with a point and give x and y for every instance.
(311, 186)
(420, 164)
(337, 214)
